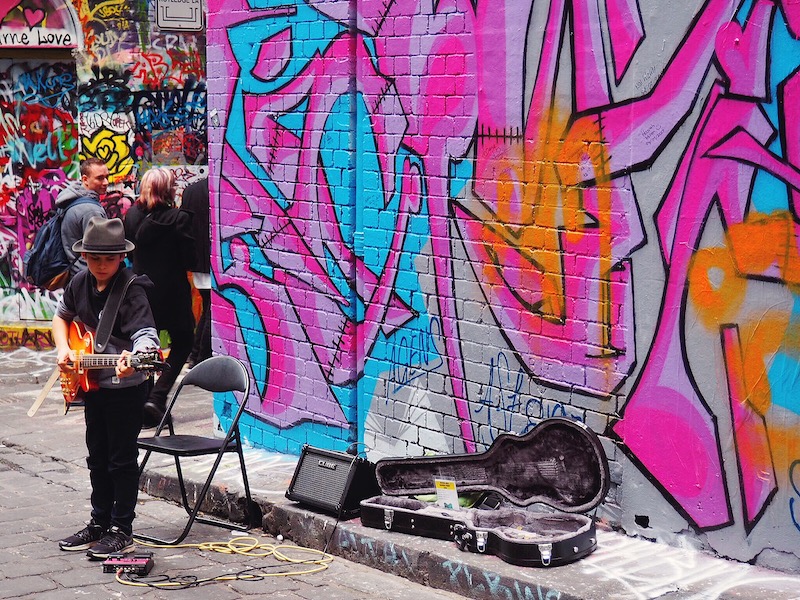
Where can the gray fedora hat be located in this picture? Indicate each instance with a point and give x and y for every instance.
(103, 236)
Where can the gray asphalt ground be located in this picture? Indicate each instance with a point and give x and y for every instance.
(44, 497)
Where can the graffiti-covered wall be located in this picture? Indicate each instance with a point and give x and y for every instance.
(439, 220)
(80, 79)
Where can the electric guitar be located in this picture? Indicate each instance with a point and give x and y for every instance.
(81, 378)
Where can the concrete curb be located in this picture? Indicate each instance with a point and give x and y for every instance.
(621, 568)
(434, 563)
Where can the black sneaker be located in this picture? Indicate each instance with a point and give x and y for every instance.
(84, 539)
(113, 542)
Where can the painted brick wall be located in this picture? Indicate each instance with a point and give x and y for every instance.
(438, 221)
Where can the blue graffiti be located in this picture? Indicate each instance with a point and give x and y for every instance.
(172, 109)
(458, 569)
(46, 153)
(796, 487)
(411, 351)
(501, 391)
(51, 85)
(106, 91)
(494, 587)
(502, 397)
(539, 409)
(507, 408)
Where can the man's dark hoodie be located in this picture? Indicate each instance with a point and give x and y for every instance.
(76, 218)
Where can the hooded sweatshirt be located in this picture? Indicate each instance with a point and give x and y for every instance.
(77, 218)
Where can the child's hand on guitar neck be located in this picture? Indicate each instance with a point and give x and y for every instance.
(123, 367)
(66, 360)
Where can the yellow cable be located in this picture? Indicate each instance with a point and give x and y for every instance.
(247, 546)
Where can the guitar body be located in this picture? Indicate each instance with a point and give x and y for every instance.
(73, 382)
(81, 379)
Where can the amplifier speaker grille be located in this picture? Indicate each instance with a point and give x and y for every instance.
(332, 481)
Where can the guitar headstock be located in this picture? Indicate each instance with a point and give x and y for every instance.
(148, 360)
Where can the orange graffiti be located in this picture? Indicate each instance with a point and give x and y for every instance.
(764, 247)
(539, 210)
(761, 339)
(767, 246)
(784, 441)
(716, 288)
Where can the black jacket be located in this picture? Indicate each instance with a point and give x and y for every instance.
(195, 202)
(164, 252)
(134, 327)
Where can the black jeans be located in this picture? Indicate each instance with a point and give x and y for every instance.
(113, 422)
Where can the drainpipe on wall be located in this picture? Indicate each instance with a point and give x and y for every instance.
(357, 435)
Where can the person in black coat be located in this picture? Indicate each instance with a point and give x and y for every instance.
(195, 202)
(165, 250)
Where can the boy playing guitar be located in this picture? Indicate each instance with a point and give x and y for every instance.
(113, 411)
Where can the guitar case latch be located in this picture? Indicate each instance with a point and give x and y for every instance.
(546, 550)
(480, 540)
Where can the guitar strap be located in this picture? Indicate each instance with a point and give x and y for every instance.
(43, 394)
(111, 309)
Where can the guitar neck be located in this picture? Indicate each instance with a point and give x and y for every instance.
(98, 361)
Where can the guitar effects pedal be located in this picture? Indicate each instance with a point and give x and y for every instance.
(135, 564)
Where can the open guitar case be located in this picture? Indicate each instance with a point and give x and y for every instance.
(559, 465)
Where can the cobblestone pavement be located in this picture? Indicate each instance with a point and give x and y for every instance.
(44, 497)
(44, 500)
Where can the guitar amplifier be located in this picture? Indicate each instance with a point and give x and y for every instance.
(334, 482)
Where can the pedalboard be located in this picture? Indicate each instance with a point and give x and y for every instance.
(134, 564)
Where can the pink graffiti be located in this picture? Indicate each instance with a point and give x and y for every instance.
(447, 39)
(33, 16)
(457, 44)
(54, 15)
(789, 96)
(626, 32)
(302, 308)
(400, 111)
(296, 386)
(312, 340)
(443, 87)
(21, 218)
(566, 349)
(511, 148)
(701, 181)
(6, 6)
(756, 471)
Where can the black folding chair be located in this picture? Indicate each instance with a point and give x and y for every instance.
(215, 374)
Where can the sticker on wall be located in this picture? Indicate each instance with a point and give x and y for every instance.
(185, 15)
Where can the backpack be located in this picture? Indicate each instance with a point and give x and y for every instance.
(46, 264)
